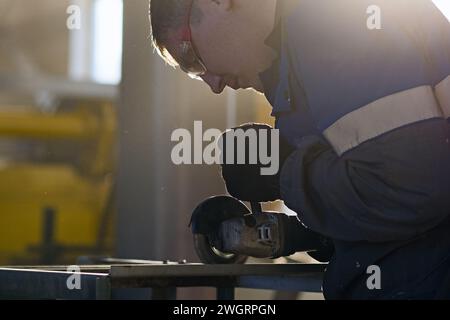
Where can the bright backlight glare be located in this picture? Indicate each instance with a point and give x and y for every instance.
(444, 6)
(107, 41)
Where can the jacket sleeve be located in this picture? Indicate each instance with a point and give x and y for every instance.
(393, 186)
(384, 190)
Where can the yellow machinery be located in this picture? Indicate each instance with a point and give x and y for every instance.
(52, 211)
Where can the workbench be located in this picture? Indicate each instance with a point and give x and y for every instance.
(99, 281)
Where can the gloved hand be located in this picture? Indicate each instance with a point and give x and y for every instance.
(246, 181)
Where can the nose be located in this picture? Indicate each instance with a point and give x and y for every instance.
(216, 83)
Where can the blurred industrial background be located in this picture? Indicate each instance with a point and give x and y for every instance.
(86, 115)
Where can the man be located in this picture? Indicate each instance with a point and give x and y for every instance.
(360, 91)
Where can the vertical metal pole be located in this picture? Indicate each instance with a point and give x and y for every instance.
(48, 242)
(103, 288)
(225, 293)
(169, 293)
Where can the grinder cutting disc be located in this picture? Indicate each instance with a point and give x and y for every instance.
(205, 223)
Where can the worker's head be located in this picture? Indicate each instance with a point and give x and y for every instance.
(219, 41)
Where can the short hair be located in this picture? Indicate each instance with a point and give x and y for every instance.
(167, 15)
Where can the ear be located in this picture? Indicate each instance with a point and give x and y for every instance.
(226, 5)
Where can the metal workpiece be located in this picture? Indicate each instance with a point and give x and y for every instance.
(302, 277)
(46, 285)
(100, 281)
(204, 270)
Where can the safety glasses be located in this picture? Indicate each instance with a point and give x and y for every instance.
(189, 60)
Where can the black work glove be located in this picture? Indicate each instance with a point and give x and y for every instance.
(246, 181)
